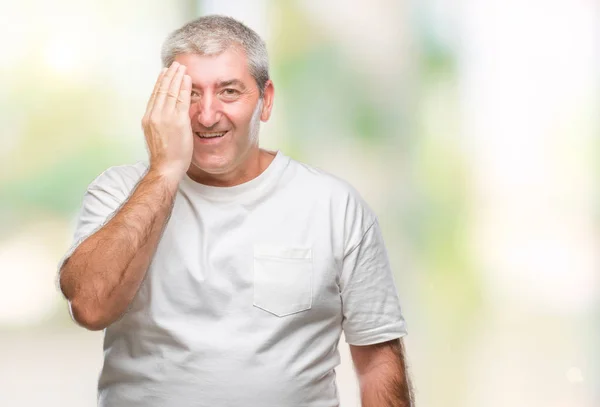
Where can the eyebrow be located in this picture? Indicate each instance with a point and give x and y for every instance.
(223, 84)
(235, 82)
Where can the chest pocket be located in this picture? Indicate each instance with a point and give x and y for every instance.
(282, 279)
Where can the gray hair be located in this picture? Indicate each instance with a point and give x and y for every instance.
(212, 35)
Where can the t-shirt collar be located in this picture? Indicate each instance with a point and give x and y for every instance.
(265, 178)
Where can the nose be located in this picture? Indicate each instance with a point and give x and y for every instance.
(208, 110)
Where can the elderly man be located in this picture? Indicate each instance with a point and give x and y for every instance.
(223, 274)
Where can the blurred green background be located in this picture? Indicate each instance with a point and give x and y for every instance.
(470, 127)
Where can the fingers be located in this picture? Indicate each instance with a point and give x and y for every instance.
(183, 101)
(156, 87)
(173, 92)
(161, 93)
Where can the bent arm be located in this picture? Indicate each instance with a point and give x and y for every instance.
(102, 276)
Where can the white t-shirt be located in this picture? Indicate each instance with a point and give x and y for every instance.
(247, 295)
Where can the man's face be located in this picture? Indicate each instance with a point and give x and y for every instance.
(225, 103)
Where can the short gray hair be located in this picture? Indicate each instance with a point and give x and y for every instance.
(212, 35)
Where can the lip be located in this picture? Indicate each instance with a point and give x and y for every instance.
(214, 140)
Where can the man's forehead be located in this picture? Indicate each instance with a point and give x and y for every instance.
(222, 69)
(229, 58)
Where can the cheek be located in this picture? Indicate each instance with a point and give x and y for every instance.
(240, 115)
(193, 109)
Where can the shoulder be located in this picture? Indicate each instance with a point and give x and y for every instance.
(120, 178)
(324, 181)
(343, 197)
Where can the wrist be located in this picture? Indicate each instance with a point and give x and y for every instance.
(171, 176)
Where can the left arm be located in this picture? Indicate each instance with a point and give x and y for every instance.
(382, 374)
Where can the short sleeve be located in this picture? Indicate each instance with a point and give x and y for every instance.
(103, 197)
(370, 302)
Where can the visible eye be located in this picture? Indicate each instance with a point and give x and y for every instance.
(230, 92)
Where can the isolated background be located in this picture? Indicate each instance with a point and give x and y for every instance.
(471, 127)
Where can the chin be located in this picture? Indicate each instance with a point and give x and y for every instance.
(211, 164)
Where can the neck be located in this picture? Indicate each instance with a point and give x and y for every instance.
(251, 167)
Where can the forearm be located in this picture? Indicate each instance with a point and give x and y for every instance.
(386, 385)
(103, 275)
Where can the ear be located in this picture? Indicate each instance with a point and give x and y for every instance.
(267, 101)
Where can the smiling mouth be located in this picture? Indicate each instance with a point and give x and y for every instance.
(210, 135)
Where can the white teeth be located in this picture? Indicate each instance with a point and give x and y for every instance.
(210, 135)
